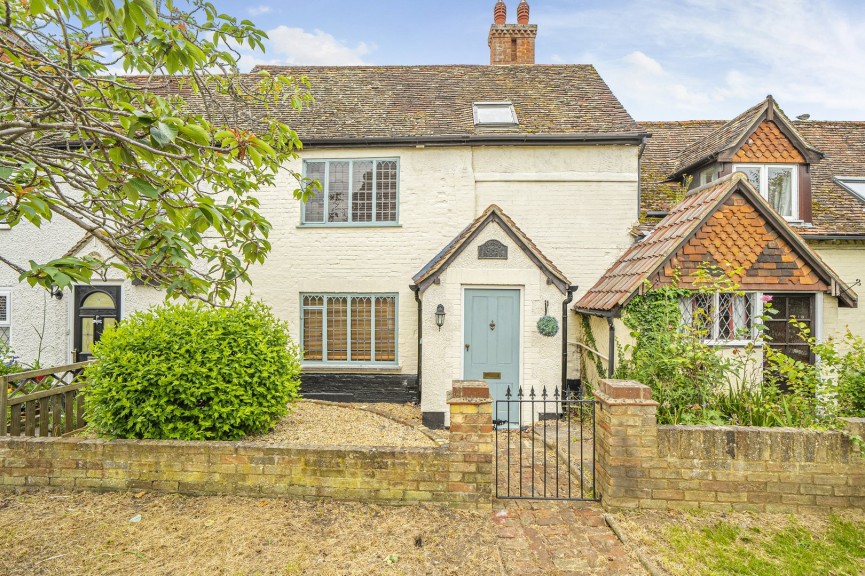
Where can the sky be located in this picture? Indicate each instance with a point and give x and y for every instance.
(664, 59)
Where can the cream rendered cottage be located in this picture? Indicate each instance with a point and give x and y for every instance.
(460, 204)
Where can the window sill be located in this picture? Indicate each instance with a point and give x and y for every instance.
(353, 225)
(348, 368)
(732, 343)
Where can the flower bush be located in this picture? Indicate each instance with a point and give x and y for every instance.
(191, 372)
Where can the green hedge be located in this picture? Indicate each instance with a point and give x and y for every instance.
(191, 372)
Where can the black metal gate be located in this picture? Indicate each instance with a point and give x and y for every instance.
(545, 446)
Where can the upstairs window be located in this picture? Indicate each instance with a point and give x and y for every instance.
(777, 183)
(354, 192)
(722, 318)
(855, 185)
(495, 114)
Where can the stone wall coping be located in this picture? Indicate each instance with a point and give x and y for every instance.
(605, 399)
(469, 392)
(747, 429)
(625, 389)
(221, 444)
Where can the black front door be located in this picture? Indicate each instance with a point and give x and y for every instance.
(96, 308)
(785, 337)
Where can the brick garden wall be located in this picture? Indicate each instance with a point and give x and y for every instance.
(642, 465)
(458, 474)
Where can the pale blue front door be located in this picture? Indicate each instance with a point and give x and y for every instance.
(492, 346)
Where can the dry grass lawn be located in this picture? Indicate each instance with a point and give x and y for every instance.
(47, 533)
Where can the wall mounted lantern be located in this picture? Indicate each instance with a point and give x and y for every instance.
(440, 316)
(56, 292)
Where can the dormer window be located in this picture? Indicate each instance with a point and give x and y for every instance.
(856, 185)
(777, 183)
(495, 114)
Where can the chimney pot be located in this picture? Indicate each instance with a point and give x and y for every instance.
(523, 13)
(500, 13)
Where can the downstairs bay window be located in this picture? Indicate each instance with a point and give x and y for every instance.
(722, 318)
(349, 328)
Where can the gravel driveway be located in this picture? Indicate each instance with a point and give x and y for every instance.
(319, 424)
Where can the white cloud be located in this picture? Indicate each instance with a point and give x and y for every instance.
(296, 46)
(259, 10)
(668, 59)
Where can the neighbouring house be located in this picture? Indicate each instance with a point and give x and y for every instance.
(461, 204)
(782, 200)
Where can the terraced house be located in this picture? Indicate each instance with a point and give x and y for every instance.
(462, 204)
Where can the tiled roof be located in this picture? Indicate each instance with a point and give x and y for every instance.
(836, 211)
(659, 160)
(768, 144)
(493, 213)
(730, 133)
(725, 223)
(421, 101)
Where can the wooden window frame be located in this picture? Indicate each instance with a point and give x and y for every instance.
(325, 193)
(373, 342)
(764, 184)
(713, 339)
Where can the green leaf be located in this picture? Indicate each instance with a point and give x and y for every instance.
(144, 188)
(163, 134)
(196, 133)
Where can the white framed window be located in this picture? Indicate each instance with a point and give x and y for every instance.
(349, 328)
(723, 317)
(856, 185)
(494, 114)
(354, 192)
(777, 183)
(5, 315)
(708, 175)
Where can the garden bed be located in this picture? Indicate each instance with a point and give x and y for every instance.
(722, 544)
(83, 533)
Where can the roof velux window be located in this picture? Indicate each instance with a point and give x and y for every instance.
(855, 185)
(495, 114)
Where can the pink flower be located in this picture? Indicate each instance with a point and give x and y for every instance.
(766, 298)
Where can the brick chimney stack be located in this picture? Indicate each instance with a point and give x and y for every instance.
(512, 43)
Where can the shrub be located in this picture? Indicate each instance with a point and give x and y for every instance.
(672, 360)
(190, 372)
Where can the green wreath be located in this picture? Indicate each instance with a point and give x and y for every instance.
(548, 326)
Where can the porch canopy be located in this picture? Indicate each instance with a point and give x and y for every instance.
(728, 224)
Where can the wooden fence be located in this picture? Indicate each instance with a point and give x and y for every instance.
(42, 402)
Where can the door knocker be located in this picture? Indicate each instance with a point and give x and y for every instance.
(492, 325)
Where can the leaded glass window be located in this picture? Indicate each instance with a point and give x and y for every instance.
(349, 328)
(721, 317)
(5, 316)
(353, 192)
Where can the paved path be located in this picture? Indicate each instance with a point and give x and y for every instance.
(559, 538)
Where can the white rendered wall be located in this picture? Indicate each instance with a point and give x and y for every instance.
(540, 356)
(577, 204)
